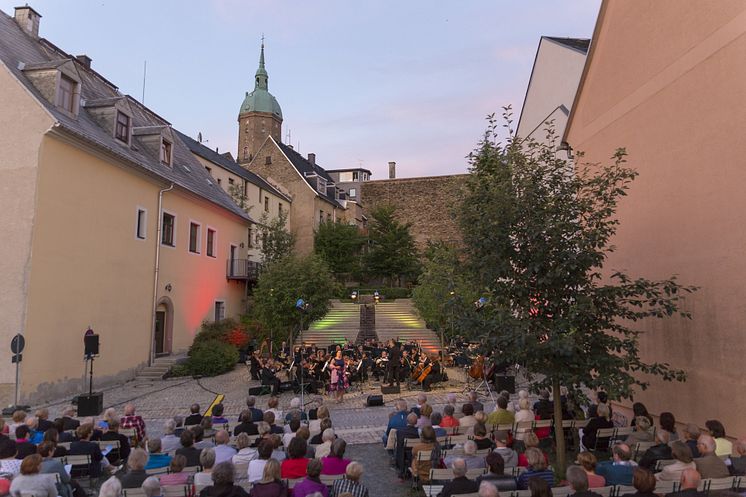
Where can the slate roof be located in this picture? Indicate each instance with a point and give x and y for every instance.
(186, 173)
(579, 44)
(224, 161)
(302, 165)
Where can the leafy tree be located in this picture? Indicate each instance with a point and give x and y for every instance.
(277, 241)
(391, 250)
(237, 192)
(339, 245)
(537, 233)
(282, 283)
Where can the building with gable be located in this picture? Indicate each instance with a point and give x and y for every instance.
(110, 222)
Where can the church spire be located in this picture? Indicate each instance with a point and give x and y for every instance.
(261, 78)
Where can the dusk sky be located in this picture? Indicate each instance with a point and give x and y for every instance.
(359, 83)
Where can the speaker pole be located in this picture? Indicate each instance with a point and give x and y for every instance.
(90, 382)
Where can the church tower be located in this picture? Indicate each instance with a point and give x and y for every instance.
(259, 117)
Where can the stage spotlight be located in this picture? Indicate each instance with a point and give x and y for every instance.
(376, 296)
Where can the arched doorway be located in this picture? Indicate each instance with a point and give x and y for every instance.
(164, 327)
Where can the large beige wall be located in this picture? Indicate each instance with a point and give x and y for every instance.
(89, 269)
(665, 80)
(22, 122)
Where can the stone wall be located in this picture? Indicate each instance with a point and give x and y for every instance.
(427, 203)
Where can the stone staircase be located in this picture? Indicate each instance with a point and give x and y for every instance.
(341, 323)
(160, 366)
(399, 320)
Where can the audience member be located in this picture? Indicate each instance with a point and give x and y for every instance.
(602, 399)
(256, 414)
(501, 415)
(723, 446)
(217, 415)
(84, 446)
(295, 409)
(709, 464)
(398, 420)
(690, 479)
(8, 463)
(351, 483)
(151, 487)
(317, 439)
(269, 418)
(460, 484)
(223, 451)
(135, 474)
(169, 441)
(246, 424)
(639, 409)
(111, 488)
(304, 433)
(156, 457)
(691, 435)
(270, 485)
(335, 463)
(481, 439)
(474, 401)
(642, 432)
(222, 483)
(295, 465)
(194, 417)
(176, 474)
(207, 461)
(35, 436)
(537, 467)
(523, 415)
(246, 453)
(602, 420)
(132, 420)
(256, 466)
(24, 445)
(68, 420)
(112, 434)
(427, 444)
(200, 434)
(52, 435)
(619, 470)
(43, 419)
(277, 451)
(497, 476)
(467, 420)
(578, 480)
(401, 454)
(50, 465)
(657, 452)
(589, 462)
(530, 440)
(312, 482)
(272, 405)
(738, 458)
(668, 424)
(314, 425)
(543, 407)
(539, 487)
(188, 450)
(327, 438)
(487, 489)
(683, 456)
(424, 420)
(18, 418)
(292, 428)
(449, 420)
(436, 419)
(501, 447)
(644, 482)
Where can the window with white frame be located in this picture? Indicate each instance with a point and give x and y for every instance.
(166, 152)
(210, 249)
(353, 193)
(141, 228)
(168, 229)
(195, 232)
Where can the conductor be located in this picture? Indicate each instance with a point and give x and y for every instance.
(394, 362)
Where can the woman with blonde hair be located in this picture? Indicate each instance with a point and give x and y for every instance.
(601, 421)
(530, 441)
(31, 481)
(270, 485)
(524, 414)
(588, 462)
(537, 468)
(683, 457)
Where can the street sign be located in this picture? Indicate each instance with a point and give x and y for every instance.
(17, 344)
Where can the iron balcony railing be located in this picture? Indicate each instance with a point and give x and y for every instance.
(242, 269)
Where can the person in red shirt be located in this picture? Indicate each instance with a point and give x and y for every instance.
(449, 421)
(130, 420)
(296, 464)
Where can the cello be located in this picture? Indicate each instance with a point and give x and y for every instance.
(476, 370)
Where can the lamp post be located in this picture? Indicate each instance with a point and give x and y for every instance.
(302, 306)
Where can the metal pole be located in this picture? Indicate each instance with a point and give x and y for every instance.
(302, 352)
(18, 369)
(90, 384)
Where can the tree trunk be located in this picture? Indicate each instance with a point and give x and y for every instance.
(559, 433)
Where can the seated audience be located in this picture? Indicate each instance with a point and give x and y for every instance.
(317, 439)
(644, 482)
(460, 484)
(35, 436)
(246, 453)
(619, 470)
(601, 421)
(639, 409)
(305, 434)
(295, 410)
(277, 451)
(217, 415)
(327, 438)
(467, 420)
(398, 420)
(311, 484)
(176, 474)
(523, 415)
(350, 485)
(602, 399)
(246, 424)
(270, 485)
(31, 481)
(435, 421)
(470, 457)
(691, 435)
(668, 424)
(84, 446)
(111, 488)
(132, 420)
(18, 418)
(272, 406)
(539, 487)
(52, 435)
(49, 465)
(657, 452)
(738, 458)
(474, 401)
(9, 465)
(683, 456)
(24, 445)
(151, 487)
(223, 451)
(156, 457)
(314, 425)
(295, 465)
(188, 450)
(589, 462)
(135, 474)
(201, 438)
(207, 461)
(723, 446)
(424, 420)
(642, 432)
(42, 415)
(194, 417)
(112, 434)
(269, 418)
(487, 489)
(537, 467)
(256, 466)
(170, 441)
(501, 415)
(222, 483)
(497, 476)
(690, 480)
(256, 414)
(578, 480)
(427, 443)
(709, 464)
(481, 439)
(335, 463)
(68, 420)
(401, 454)
(293, 426)
(530, 440)
(449, 420)
(501, 447)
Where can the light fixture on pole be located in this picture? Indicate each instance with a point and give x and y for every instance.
(302, 306)
(353, 296)
(376, 296)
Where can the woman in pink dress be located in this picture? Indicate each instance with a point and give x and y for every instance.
(339, 381)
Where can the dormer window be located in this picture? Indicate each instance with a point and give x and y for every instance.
(66, 94)
(166, 152)
(122, 128)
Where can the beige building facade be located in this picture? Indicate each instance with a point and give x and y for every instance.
(665, 80)
(110, 223)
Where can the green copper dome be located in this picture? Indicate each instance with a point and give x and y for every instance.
(261, 100)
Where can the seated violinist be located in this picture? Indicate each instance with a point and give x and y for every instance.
(269, 376)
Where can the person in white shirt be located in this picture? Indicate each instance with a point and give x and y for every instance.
(287, 437)
(256, 466)
(207, 461)
(245, 453)
(325, 448)
(169, 441)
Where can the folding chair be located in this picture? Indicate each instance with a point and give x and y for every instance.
(176, 490)
(563, 491)
(604, 491)
(433, 490)
(133, 492)
(157, 471)
(329, 480)
(604, 436)
(666, 487)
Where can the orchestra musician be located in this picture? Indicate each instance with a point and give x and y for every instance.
(394, 363)
(269, 376)
(255, 365)
(339, 382)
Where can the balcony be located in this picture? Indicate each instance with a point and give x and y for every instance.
(242, 269)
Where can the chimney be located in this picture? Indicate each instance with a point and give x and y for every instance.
(85, 60)
(28, 19)
(392, 170)
(312, 159)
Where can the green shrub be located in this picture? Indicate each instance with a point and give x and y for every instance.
(211, 358)
(228, 331)
(179, 370)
